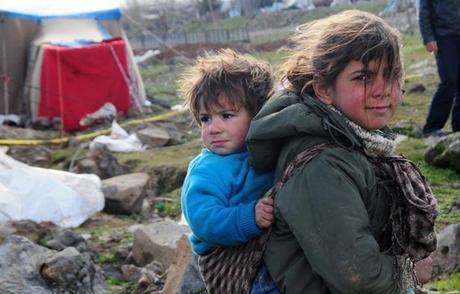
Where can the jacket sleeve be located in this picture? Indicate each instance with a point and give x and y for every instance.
(206, 208)
(326, 213)
(426, 21)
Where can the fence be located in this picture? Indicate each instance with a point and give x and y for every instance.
(216, 36)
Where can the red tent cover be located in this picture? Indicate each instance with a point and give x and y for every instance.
(78, 81)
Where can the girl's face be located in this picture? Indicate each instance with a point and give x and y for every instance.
(363, 94)
(224, 128)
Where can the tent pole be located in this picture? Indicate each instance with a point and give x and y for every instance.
(5, 68)
(61, 98)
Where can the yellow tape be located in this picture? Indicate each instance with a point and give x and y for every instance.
(87, 136)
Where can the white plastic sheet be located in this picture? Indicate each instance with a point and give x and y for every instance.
(39, 194)
(118, 141)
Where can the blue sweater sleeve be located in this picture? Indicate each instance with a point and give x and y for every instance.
(216, 216)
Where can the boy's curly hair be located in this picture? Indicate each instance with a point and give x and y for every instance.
(244, 80)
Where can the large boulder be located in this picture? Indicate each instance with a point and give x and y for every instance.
(444, 152)
(124, 194)
(446, 258)
(157, 241)
(26, 267)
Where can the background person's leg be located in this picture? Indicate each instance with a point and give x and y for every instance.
(456, 108)
(441, 104)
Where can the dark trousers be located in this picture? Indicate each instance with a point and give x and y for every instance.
(447, 97)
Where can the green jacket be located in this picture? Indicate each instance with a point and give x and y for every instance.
(328, 234)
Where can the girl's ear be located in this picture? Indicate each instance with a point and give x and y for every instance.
(322, 92)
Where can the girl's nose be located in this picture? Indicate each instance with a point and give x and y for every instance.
(381, 87)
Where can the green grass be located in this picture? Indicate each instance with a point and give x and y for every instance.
(452, 282)
(440, 180)
(170, 205)
(274, 58)
(374, 7)
(177, 156)
(160, 81)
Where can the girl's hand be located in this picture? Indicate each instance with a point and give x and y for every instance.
(264, 212)
(424, 269)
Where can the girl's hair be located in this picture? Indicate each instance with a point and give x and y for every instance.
(326, 46)
(245, 81)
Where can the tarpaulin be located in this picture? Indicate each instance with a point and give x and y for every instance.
(78, 81)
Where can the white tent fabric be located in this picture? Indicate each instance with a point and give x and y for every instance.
(42, 9)
(58, 30)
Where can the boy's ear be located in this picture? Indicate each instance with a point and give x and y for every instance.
(322, 92)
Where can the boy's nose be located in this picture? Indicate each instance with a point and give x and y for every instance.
(214, 126)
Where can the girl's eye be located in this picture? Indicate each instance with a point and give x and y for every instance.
(363, 78)
(204, 118)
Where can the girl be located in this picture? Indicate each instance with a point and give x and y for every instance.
(343, 224)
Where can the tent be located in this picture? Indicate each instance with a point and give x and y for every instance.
(65, 59)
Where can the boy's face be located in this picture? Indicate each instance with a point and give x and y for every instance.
(364, 95)
(224, 128)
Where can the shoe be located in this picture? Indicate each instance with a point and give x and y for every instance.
(435, 134)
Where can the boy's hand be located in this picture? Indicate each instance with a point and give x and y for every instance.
(424, 269)
(264, 212)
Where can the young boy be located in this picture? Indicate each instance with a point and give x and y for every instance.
(221, 195)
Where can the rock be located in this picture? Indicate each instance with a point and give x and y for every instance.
(66, 238)
(20, 261)
(446, 258)
(453, 155)
(87, 166)
(38, 156)
(124, 194)
(444, 152)
(148, 279)
(174, 134)
(69, 271)
(33, 231)
(153, 136)
(100, 162)
(419, 88)
(157, 241)
(454, 206)
(183, 274)
(112, 271)
(165, 179)
(23, 262)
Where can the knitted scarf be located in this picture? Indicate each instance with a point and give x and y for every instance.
(412, 204)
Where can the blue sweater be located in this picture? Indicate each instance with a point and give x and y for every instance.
(219, 197)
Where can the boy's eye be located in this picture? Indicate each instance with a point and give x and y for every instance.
(227, 115)
(204, 118)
